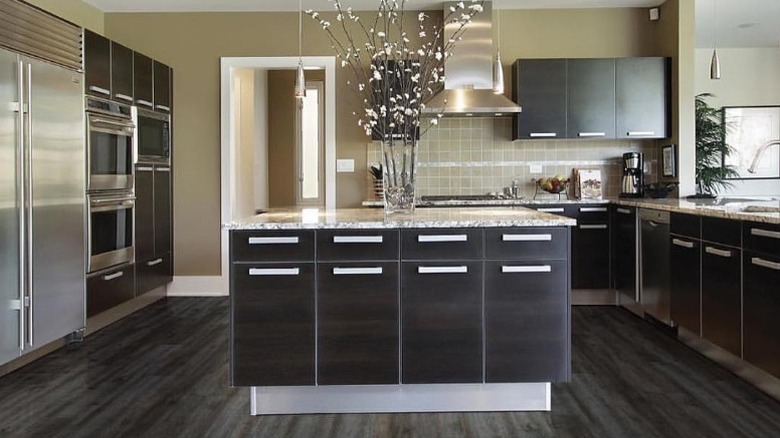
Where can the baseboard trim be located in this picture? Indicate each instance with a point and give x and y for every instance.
(198, 286)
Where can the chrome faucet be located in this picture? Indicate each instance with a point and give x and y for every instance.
(761, 150)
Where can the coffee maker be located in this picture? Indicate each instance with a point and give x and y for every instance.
(633, 178)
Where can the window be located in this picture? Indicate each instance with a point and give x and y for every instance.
(310, 146)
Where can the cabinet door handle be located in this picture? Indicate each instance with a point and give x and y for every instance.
(274, 272)
(100, 90)
(357, 271)
(272, 240)
(542, 134)
(594, 227)
(358, 239)
(113, 276)
(124, 97)
(640, 133)
(683, 243)
(163, 169)
(145, 103)
(526, 237)
(144, 169)
(154, 262)
(442, 269)
(592, 134)
(765, 263)
(623, 211)
(765, 233)
(593, 210)
(163, 107)
(426, 238)
(550, 210)
(717, 252)
(525, 269)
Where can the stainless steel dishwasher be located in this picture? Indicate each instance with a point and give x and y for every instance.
(654, 273)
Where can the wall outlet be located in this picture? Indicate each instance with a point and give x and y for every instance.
(537, 168)
(345, 166)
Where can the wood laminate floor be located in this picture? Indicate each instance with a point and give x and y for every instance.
(162, 372)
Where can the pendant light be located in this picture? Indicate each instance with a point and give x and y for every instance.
(498, 69)
(300, 81)
(714, 62)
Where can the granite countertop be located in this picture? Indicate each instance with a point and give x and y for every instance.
(356, 218)
(494, 202)
(757, 209)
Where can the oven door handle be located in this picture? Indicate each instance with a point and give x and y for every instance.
(118, 123)
(99, 205)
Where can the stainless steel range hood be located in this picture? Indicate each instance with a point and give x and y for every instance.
(468, 87)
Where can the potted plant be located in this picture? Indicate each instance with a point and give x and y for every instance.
(711, 150)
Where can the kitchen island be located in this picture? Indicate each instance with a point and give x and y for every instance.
(443, 310)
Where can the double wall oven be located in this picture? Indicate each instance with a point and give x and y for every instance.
(111, 146)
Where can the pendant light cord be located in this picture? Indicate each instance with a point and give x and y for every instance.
(714, 23)
(300, 30)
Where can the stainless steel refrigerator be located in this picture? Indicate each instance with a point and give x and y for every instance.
(42, 201)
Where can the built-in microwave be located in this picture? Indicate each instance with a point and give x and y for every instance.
(110, 143)
(154, 137)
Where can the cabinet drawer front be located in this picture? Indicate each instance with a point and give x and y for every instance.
(685, 297)
(357, 245)
(357, 317)
(441, 318)
(762, 307)
(723, 231)
(441, 244)
(558, 209)
(272, 314)
(685, 225)
(721, 296)
(589, 214)
(526, 243)
(267, 246)
(110, 288)
(154, 273)
(763, 238)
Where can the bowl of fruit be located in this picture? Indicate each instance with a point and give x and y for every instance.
(556, 184)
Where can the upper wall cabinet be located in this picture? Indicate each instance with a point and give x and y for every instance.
(643, 97)
(121, 73)
(143, 81)
(542, 94)
(97, 64)
(162, 87)
(592, 98)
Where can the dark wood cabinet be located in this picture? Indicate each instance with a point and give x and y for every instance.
(162, 210)
(540, 88)
(110, 288)
(624, 251)
(525, 243)
(153, 225)
(162, 87)
(442, 244)
(590, 247)
(526, 322)
(272, 318)
(721, 297)
(97, 64)
(357, 245)
(591, 98)
(143, 81)
(761, 311)
(272, 246)
(154, 273)
(357, 315)
(144, 212)
(685, 265)
(643, 95)
(121, 73)
(441, 318)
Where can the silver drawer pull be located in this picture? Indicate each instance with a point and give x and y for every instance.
(525, 269)
(592, 134)
(124, 97)
(145, 103)
(526, 237)
(623, 211)
(357, 271)
(154, 262)
(765, 263)
(272, 240)
(100, 90)
(358, 239)
(593, 210)
(113, 276)
(442, 270)
(765, 233)
(640, 133)
(550, 210)
(274, 272)
(683, 243)
(594, 227)
(443, 238)
(163, 107)
(163, 169)
(717, 252)
(542, 134)
(144, 169)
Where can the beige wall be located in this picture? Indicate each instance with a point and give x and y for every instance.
(192, 44)
(244, 89)
(281, 138)
(75, 11)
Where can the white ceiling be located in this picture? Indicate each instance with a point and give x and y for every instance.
(742, 23)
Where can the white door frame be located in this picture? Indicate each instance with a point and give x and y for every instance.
(228, 65)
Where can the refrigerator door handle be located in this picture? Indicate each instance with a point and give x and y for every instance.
(21, 182)
(29, 204)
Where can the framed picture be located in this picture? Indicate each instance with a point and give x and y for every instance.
(747, 129)
(668, 160)
(588, 183)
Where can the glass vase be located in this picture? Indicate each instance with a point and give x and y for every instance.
(400, 175)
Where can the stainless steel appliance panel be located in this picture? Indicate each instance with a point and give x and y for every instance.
(655, 295)
(10, 203)
(57, 184)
